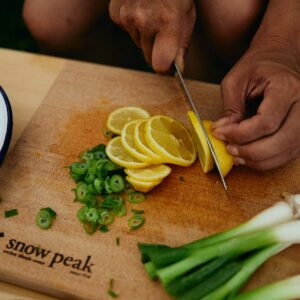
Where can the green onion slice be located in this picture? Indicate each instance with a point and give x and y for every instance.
(107, 185)
(43, 219)
(11, 213)
(136, 197)
(106, 218)
(89, 227)
(81, 214)
(92, 215)
(103, 228)
(79, 168)
(117, 183)
(136, 221)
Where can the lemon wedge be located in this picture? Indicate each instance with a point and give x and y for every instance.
(225, 159)
(170, 140)
(117, 154)
(127, 139)
(142, 186)
(118, 118)
(149, 174)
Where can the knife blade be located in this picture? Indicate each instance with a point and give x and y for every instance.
(184, 88)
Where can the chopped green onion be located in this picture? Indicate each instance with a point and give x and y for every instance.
(110, 290)
(11, 213)
(89, 178)
(136, 221)
(137, 211)
(44, 219)
(106, 218)
(81, 214)
(76, 177)
(107, 186)
(78, 168)
(99, 155)
(117, 183)
(92, 215)
(98, 185)
(119, 211)
(50, 211)
(87, 156)
(112, 201)
(136, 197)
(89, 227)
(103, 228)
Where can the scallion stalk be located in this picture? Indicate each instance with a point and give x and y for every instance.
(287, 289)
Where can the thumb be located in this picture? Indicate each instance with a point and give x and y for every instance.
(233, 101)
(164, 51)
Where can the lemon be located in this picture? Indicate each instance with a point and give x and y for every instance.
(118, 118)
(141, 144)
(149, 174)
(170, 140)
(127, 140)
(120, 156)
(225, 159)
(142, 186)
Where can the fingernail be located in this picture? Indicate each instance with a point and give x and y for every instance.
(220, 122)
(233, 150)
(219, 135)
(239, 161)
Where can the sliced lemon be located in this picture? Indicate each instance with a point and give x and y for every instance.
(149, 174)
(141, 143)
(225, 159)
(117, 154)
(118, 118)
(142, 186)
(170, 140)
(127, 140)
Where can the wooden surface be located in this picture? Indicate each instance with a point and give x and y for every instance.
(26, 79)
(71, 119)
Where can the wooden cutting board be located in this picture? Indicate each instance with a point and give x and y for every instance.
(72, 118)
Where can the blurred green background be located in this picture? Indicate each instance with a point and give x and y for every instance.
(13, 31)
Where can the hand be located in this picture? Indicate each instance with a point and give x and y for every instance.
(161, 28)
(271, 137)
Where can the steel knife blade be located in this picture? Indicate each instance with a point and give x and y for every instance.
(187, 94)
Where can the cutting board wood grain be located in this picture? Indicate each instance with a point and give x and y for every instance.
(64, 261)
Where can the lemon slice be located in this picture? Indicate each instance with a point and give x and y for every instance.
(127, 140)
(120, 156)
(142, 186)
(225, 159)
(141, 144)
(149, 174)
(170, 140)
(118, 118)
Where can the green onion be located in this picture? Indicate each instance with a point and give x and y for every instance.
(81, 214)
(89, 227)
(106, 218)
(86, 156)
(136, 221)
(137, 211)
(11, 213)
(117, 183)
(118, 241)
(50, 211)
(136, 197)
(103, 228)
(89, 178)
(110, 290)
(78, 168)
(287, 289)
(119, 211)
(99, 185)
(44, 219)
(107, 185)
(250, 265)
(92, 215)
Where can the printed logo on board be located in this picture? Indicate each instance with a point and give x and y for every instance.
(37, 254)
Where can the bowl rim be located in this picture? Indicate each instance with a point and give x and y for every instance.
(9, 127)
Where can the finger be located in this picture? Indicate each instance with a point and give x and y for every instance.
(278, 144)
(147, 41)
(179, 59)
(164, 50)
(270, 115)
(114, 11)
(274, 162)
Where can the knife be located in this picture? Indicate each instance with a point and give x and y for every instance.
(180, 80)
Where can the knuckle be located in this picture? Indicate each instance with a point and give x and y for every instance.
(268, 124)
(139, 18)
(229, 82)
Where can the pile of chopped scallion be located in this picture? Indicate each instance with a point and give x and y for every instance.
(218, 266)
(102, 189)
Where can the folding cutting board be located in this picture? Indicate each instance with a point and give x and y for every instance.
(72, 118)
